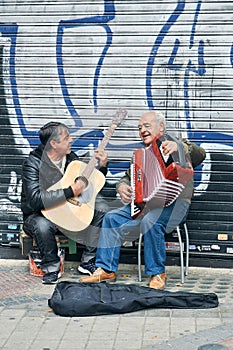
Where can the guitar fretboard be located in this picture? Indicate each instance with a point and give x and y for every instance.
(92, 163)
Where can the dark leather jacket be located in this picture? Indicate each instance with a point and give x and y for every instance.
(38, 174)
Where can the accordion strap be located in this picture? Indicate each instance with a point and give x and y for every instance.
(181, 152)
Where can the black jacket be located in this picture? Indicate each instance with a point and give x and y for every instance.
(38, 174)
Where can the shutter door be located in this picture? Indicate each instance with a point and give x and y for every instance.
(78, 61)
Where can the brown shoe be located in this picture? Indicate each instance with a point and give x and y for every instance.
(158, 281)
(99, 276)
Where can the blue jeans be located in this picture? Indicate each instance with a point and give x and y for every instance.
(118, 223)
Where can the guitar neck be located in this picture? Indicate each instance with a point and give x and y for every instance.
(92, 163)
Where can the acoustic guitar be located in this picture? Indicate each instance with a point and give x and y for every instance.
(76, 214)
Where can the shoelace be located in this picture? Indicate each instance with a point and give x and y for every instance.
(158, 278)
(98, 272)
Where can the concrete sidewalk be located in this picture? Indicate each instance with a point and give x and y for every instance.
(28, 323)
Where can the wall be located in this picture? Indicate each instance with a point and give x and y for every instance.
(78, 61)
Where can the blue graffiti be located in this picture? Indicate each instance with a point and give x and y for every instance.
(10, 31)
(108, 15)
(93, 137)
(190, 66)
(197, 136)
(231, 55)
(158, 42)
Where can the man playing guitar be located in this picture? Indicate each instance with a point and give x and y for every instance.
(44, 167)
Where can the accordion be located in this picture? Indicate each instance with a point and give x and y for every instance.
(157, 179)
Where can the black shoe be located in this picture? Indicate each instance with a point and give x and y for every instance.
(51, 277)
(87, 268)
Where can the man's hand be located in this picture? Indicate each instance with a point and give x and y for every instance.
(169, 147)
(125, 191)
(78, 187)
(102, 157)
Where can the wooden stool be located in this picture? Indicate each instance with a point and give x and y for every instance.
(27, 243)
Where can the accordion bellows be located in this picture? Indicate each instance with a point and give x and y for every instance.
(158, 179)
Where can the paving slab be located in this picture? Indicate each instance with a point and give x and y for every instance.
(28, 323)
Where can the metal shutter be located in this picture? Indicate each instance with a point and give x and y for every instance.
(78, 61)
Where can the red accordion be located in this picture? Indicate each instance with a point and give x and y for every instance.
(158, 179)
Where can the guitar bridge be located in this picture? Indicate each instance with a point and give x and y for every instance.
(74, 201)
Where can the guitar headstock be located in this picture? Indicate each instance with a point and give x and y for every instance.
(119, 116)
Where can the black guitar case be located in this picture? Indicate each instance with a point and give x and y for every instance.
(90, 299)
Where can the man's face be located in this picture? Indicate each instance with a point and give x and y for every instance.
(148, 128)
(63, 146)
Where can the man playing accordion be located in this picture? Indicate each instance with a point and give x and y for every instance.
(153, 220)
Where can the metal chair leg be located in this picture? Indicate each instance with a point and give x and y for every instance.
(183, 270)
(187, 249)
(181, 255)
(139, 258)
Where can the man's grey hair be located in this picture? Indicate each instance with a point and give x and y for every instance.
(159, 117)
